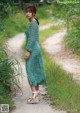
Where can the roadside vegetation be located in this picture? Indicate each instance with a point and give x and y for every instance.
(71, 14)
(9, 83)
(63, 91)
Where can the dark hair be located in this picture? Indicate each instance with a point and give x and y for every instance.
(32, 9)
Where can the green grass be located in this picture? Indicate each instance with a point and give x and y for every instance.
(46, 21)
(6, 99)
(44, 14)
(72, 40)
(71, 14)
(62, 89)
(9, 71)
(13, 25)
(50, 31)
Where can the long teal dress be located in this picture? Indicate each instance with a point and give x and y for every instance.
(34, 65)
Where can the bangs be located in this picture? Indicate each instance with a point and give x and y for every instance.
(29, 10)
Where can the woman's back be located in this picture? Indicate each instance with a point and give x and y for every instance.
(33, 35)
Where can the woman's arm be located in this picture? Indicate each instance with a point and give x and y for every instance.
(31, 37)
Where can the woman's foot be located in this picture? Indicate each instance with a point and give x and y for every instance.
(38, 94)
(34, 99)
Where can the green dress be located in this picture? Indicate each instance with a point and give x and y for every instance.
(34, 65)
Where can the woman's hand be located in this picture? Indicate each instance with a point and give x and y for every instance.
(27, 55)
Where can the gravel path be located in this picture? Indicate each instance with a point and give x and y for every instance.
(14, 47)
(55, 47)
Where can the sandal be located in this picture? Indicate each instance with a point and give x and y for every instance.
(38, 92)
(34, 99)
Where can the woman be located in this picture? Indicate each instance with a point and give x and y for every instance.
(33, 57)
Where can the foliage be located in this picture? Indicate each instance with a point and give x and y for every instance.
(5, 7)
(72, 39)
(11, 26)
(62, 89)
(9, 71)
(9, 82)
(66, 11)
(71, 14)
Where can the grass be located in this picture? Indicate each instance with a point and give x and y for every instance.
(46, 21)
(72, 40)
(50, 31)
(71, 14)
(62, 89)
(12, 26)
(6, 99)
(45, 15)
(9, 71)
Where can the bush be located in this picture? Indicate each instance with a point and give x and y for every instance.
(9, 72)
(72, 39)
(71, 14)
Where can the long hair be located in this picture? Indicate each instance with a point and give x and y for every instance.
(31, 8)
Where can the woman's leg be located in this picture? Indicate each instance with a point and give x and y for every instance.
(35, 94)
(34, 90)
(37, 87)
